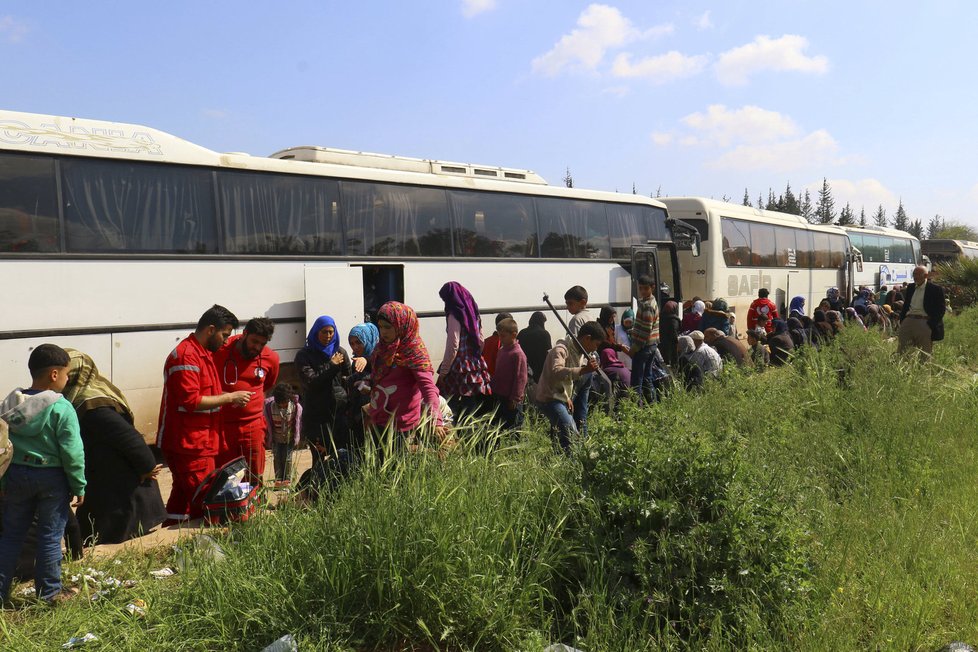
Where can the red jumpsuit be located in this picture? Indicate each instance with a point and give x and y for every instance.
(762, 307)
(187, 435)
(243, 431)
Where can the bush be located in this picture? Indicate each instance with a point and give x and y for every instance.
(691, 537)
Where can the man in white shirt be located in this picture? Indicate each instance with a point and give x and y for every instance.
(922, 317)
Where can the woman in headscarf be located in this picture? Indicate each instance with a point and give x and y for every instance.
(323, 367)
(692, 319)
(623, 338)
(402, 378)
(779, 341)
(835, 321)
(463, 376)
(535, 341)
(363, 339)
(122, 498)
(797, 307)
(853, 318)
(822, 330)
(686, 369)
(834, 298)
(716, 317)
(796, 330)
(669, 327)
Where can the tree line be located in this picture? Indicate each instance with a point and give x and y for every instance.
(823, 211)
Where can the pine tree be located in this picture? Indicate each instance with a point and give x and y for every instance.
(760, 201)
(568, 179)
(772, 203)
(747, 198)
(862, 217)
(658, 192)
(825, 211)
(633, 188)
(934, 226)
(790, 202)
(806, 209)
(846, 216)
(901, 221)
(916, 229)
(879, 218)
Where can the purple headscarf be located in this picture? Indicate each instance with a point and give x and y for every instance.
(460, 304)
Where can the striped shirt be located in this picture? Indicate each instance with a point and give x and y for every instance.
(645, 327)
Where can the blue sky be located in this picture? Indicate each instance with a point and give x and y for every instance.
(693, 98)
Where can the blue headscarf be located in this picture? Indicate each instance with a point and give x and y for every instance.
(312, 340)
(797, 305)
(368, 334)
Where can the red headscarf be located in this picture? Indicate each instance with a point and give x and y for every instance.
(407, 349)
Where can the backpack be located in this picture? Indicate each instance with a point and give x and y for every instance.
(6, 447)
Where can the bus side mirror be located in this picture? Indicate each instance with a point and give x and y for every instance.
(694, 246)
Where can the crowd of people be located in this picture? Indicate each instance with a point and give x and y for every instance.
(73, 435)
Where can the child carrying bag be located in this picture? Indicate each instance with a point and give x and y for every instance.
(228, 494)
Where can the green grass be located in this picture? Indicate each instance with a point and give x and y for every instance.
(826, 506)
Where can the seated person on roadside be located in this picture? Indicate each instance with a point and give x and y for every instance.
(728, 346)
(509, 381)
(556, 387)
(190, 420)
(246, 363)
(122, 496)
(47, 469)
(780, 342)
(759, 356)
(704, 356)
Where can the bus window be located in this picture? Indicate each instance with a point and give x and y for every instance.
(632, 225)
(857, 240)
(493, 225)
(823, 250)
(573, 229)
(762, 245)
(786, 249)
(275, 214)
(736, 242)
(111, 206)
(665, 271)
(839, 244)
(915, 251)
(872, 252)
(28, 205)
(384, 219)
(901, 251)
(806, 248)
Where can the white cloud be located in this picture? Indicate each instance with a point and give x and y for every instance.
(863, 193)
(735, 66)
(662, 138)
(704, 22)
(217, 114)
(659, 69)
(722, 127)
(472, 8)
(817, 150)
(12, 30)
(599, 28)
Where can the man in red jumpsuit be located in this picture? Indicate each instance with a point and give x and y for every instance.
(190, 419)
(245, 364)
(762, 306)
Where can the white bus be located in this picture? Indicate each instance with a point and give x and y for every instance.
(744, 249)
(115, 238)
(948, 251)
(888, 256)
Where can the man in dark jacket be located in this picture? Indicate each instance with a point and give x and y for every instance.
(922, 317)
(727, 346)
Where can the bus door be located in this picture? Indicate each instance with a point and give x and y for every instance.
(336, 291)
(853, 264)
(645, 260)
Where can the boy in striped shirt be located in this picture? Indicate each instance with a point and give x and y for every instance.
(644, 338)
